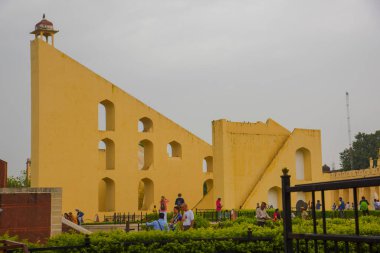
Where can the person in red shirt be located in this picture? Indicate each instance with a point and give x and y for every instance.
(276, 215)
(219, 208)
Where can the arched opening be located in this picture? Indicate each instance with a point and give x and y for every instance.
(207, 164)
(106, 149)
(303, 164)
(145, 154)
(145, 125)
(106, 116)
(207, 186)
(274, 197)
(145, 194)
(174, 149)
(106, 195)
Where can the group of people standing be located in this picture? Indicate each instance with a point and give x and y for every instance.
(75, 218)
(183, 217)
(342, 206)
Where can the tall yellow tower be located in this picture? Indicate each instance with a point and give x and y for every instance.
(44, 28)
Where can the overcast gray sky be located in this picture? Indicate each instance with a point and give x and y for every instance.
(197, 61)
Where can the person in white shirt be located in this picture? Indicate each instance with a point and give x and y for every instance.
(376, 204)
(188, 217)
(261, 214)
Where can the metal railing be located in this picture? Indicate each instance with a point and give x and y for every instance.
(122, 218)
(213, 216)
(8, 246)
(324, 238)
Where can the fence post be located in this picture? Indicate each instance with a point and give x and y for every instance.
(87, 241)
(249, 234)
(286, 206)
(127, 226)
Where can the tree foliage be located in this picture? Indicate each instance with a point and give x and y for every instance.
(19, 181)
(363, 147)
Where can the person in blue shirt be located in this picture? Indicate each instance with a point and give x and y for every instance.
(177, 217)
(341, 207)
(159, 224)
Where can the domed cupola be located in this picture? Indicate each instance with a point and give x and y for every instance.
(44, 28)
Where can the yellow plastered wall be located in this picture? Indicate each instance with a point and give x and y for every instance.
(245, 161)
(65, 138)
(249, 157)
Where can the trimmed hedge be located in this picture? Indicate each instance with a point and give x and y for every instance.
(180, 241)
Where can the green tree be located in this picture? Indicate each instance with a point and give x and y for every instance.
(363, 147)
(18, 182)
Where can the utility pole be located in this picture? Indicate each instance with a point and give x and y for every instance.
(349, 129)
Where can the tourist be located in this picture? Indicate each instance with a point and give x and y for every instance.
(341, 207)
(304, 213)
(96, 218)
(364, 206)
(233, 215)
(333, 207)
(348, 206)
(73, 218)
(164, 206)
(177, 217)
(276, 215)
(261, 215)
(219, 208)
(66, 216)
(80, 215)
(318, 205)
(154, 211)
(179, 201)
(159, 224)
(376, 204)
(188, 217)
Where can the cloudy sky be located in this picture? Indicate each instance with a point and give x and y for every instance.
(197, 61)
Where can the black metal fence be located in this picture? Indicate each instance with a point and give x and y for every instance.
(122, 218)
(329, 242)
(213, 216)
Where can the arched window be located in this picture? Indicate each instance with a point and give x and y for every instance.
(174, 149)
(145, 194)
(106, 116)
(303, 164)
(145, 154)
(274, 197)
(207, 164)
(145, 125)
(106, 154)
(106, 195)
(207, 186)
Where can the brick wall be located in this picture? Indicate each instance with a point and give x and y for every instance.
(30, 213)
